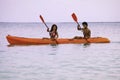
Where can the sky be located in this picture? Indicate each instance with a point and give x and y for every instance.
(59, 10)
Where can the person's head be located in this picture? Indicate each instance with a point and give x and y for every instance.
(54, 27)
(85, 24)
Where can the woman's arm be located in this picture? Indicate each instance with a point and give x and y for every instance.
(48, 30)
(57, 35)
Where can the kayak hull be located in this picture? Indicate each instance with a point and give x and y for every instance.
(14, 40)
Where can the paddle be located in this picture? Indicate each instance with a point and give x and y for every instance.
(75, 18)
(43, 21)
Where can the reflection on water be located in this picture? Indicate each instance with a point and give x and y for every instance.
(54, 48)
(86, 45)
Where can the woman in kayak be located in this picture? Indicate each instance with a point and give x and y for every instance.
(53, 32)
(86, 31)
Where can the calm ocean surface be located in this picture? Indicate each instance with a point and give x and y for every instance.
(60, 62)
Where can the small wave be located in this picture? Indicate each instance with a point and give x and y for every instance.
(1, 51)
(115, 42)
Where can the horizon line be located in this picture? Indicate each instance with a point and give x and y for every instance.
(68, 22)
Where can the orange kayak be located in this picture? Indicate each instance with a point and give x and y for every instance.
(14, 40)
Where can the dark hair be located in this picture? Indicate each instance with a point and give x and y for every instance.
(53, 27)
(85, 23)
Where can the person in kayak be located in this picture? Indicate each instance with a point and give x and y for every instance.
(86, 31)
(53, 32)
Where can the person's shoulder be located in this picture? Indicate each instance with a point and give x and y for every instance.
(56, 32)
(89, 30)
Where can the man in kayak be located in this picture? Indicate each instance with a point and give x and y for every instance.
(86, 31)
(53, 32)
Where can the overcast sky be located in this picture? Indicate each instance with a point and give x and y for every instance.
(59, 10)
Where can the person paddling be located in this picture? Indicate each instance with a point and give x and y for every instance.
(53, 32)
(86, 31)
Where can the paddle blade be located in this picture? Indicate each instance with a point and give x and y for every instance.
(74, 17)
(42, 19)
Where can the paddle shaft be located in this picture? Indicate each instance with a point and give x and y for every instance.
(46, 25)
(77, 23)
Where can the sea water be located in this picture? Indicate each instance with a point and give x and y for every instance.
(93, 61)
